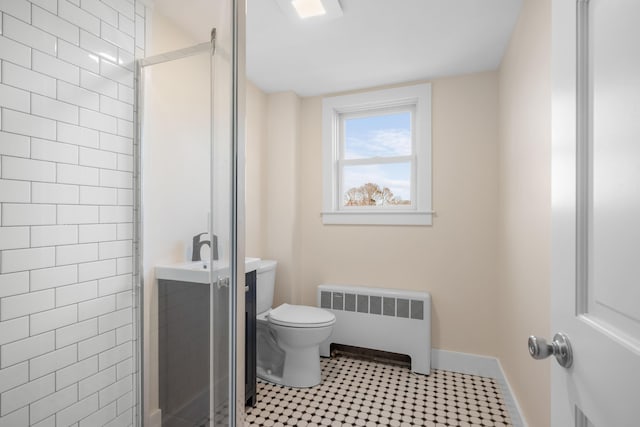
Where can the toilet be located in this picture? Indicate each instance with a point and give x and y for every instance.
(288, 336)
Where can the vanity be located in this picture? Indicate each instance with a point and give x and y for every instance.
(186, 313)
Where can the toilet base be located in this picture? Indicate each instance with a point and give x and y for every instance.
(301, 369)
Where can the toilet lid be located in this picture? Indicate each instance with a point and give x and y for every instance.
(301, 316)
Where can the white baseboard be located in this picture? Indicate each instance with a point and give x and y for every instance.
(484, 366)
(155, 418)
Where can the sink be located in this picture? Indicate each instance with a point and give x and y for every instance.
(199, 271)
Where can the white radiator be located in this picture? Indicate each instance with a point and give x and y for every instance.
(380, 319)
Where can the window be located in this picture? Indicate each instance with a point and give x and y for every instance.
(377, 157)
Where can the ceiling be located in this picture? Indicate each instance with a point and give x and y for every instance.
(375, 42)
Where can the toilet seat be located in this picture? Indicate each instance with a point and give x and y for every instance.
(301, 316)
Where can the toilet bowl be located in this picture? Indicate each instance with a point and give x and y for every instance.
(288, 336)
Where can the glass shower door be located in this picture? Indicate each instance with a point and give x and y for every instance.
(190, 180)
(188, 224)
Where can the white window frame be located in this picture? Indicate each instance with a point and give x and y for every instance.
(416, 98)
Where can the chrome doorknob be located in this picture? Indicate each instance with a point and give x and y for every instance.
(560, 348)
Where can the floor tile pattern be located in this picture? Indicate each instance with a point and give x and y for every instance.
(358, 392)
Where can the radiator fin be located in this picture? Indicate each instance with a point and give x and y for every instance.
(338, 300)
(363, 303)
(403, 307)
(417, 310)
(325, 299)
(350, 302)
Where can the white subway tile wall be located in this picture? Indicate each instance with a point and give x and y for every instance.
(67, 318)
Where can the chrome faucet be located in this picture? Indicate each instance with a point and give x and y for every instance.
(197, 245)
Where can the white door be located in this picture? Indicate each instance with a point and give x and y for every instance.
(596, 211)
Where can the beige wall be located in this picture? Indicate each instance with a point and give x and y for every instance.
(281, 186)
(256, 150)
(525, 209)
(454, 259)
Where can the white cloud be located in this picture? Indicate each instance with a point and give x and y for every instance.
(379, 143)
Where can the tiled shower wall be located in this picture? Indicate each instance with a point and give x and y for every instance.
(67, 328)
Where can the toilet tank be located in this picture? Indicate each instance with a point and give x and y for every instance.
(265, 285)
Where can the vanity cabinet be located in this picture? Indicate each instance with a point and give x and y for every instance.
(184, 326)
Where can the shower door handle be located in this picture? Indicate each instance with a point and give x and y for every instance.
(224, 283)
(560, 347)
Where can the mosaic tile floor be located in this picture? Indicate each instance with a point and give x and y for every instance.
(365, 393)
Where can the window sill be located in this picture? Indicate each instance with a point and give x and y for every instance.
(377, 218)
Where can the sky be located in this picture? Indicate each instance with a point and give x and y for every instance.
(379, 136)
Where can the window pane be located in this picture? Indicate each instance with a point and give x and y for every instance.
(377, 136)
(387, 184)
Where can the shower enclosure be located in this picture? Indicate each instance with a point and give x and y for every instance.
(190, 181)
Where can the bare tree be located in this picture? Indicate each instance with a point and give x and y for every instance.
(353, 197)
(371, 194)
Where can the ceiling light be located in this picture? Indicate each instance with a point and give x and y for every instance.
(308, 8)
(319, 10)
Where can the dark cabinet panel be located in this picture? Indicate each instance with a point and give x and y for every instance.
(184, 316)
(250, 340)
